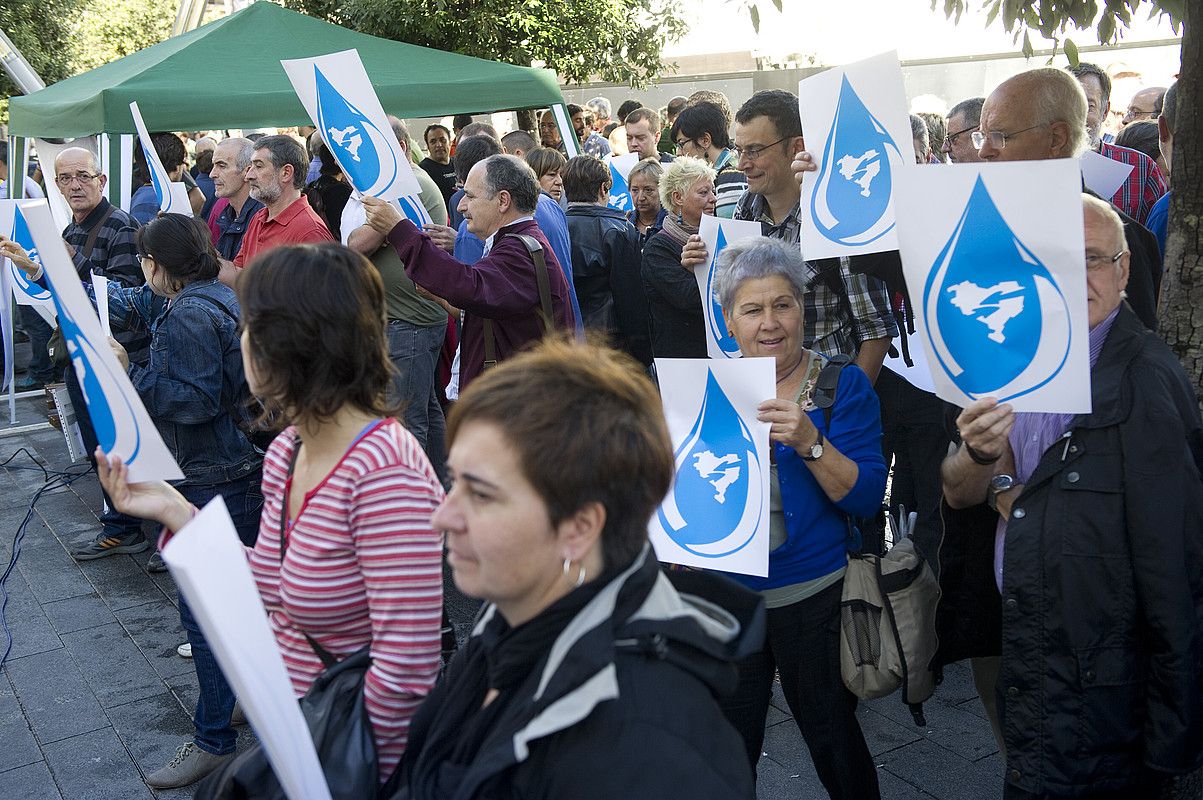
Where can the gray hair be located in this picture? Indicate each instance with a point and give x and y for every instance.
(759, 257)
(282, 150)
(1103, 210)
(512, 174)
(1053, 95)
(679, 176)
(919, 130)
(244, 153)
(649, 166)
(400, 129)
(600, 106)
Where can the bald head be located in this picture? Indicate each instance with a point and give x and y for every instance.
(1107, 258)
(76, 156)
(1035, 115)
(85, 183)
(205, 144)
(1145, 104)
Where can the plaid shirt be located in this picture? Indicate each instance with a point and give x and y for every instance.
(1144, 185)
(114, 255)
(828, 329)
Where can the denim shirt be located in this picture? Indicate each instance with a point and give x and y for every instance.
(193, 378)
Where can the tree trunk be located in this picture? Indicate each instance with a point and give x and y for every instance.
(1181, 311)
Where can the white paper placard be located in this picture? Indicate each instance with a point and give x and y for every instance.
(620, 171)
(859, 133)
(919, 375)
(208, 563)
(100, 290)
(122, 425)
(173, 195)
(716, 514)
(716, 234)
(24, 291)
(998, 278)
(1103, 176)
(339, 98)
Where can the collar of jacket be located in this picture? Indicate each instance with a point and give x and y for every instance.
(1109, 392)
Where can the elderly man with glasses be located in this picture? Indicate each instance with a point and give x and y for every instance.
(962, 122)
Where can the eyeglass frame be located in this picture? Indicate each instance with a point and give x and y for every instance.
(756, 151)
(66, 180)
(979, 137)
(681, 144)
(950, 138)
(1101, 261)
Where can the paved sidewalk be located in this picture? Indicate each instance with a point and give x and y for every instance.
(93, 695)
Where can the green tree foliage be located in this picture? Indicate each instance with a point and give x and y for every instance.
(610, 40)
(106, 30)
(42, 30)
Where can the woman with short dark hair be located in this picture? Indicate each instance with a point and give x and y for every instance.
(588, 674)
(700, 130)
(345, 554)
(548, 165)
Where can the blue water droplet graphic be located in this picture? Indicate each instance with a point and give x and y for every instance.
(22, 236)
(996, 318)
(718, 327)
(620, 192)
(852, 197)
(356, 140)
(715, 506)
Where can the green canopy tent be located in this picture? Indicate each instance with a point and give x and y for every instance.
(227, 74)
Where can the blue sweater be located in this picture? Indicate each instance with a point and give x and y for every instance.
(816, 532)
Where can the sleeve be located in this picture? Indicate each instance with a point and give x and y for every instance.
(663, 272)
(855, 431)
(183, 379)
(400, 558)
(1152, 190)
(870, 301)
(499, 285)
(128, 306)
(144, 206)
(1162, 497)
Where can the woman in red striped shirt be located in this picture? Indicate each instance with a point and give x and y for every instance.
(360, 561)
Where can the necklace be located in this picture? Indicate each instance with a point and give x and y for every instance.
(794, 369)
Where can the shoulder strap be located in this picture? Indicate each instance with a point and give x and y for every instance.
(90, 245)
(541, 277)
(828, 381)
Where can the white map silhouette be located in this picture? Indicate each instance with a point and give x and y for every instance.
(851, 168)
(709, 465)
(997, 305)
(339, 135)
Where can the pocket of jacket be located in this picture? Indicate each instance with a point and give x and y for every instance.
(1090, 503)
(1111, 701)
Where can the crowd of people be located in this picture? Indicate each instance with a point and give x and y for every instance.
(371, 397)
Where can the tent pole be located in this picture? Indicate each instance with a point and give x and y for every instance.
(18, 158)
(567, 133)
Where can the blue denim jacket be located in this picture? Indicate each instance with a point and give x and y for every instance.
(194, 377)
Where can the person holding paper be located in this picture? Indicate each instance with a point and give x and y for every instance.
(590, 674)
(826, 468)
(1098, 557)
(345, 553)
(678, 325)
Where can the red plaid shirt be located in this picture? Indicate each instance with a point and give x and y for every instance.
(1144, 185)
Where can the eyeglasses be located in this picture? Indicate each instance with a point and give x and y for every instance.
(1095, 262)
(82, 177)
(952, 137)
(681, 144)
(756, 151)
(998, 139)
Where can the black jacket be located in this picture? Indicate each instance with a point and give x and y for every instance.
(1102, 601)
(675, 304)
(605, 271)
(620, 700)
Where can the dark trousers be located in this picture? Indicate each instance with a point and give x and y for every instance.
(915, 437)
(803, 645)
(41, 368)
(414, 351)
(215, 699)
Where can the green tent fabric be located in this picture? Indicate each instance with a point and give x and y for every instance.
(227, 74)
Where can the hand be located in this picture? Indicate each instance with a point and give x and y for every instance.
(985, 426)
(382, 216)
(694, 253)
(155, 500)
(790, 425)
(802, 164)
(16, 253)
(441, 235)
(119, 351)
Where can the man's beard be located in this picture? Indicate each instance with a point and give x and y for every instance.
(266, 194)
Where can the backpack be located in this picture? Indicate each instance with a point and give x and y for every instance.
(888, 609)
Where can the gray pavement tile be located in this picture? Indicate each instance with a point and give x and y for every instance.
(894, 788)
(152, 728)
(942, 773)
(155, 628)
(31, 631)
(95, 766)
(957, 686)
(67, 514)
(113, 665)
(783, 744)
(165, 584)
(883, 734)
(78, 613)
(953, 727)
(18, 746)
(30, 782)
(120, 581)
(52, 574)
(975, 708)
(57, 700)
(184, 688)
(776, 782)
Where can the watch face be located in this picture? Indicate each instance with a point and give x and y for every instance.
(1001, 483)
(816, 450)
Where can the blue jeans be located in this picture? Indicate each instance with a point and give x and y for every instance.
(41, 368)
(215, 701)
(414, 351)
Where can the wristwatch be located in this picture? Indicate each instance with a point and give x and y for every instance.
(816, 450)
(998, 485)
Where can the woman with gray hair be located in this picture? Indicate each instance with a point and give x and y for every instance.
(826, 467)
(675, 305)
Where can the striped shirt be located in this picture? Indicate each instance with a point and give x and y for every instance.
(114, 255)
(362, 566)
(1143, 186)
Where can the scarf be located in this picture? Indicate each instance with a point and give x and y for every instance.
(677, 230)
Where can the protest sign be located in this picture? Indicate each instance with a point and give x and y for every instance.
(859, 133)
(208, 564)
(1103, 175)
(998, 278)
(716, 234)
(24, 291)
(173, 195)
(100, 290)
(716, 514)
(122, 425)
(339, 98)
(620, 191)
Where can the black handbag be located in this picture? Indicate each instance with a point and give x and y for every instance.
(338, 721)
